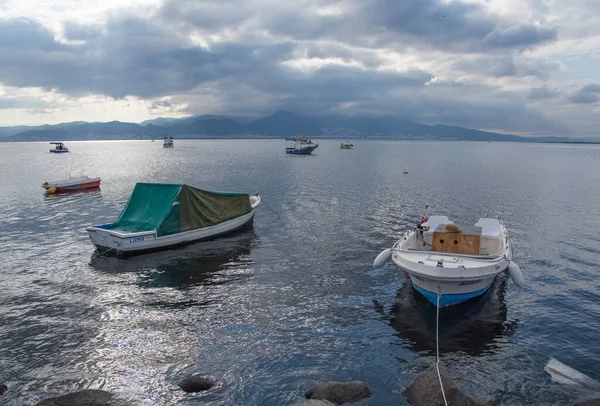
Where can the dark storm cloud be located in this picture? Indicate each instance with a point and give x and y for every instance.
(22, 102)
(591, 89)
(131, 57)
(135, 57)
(339, 83)
(448, 26)
(542, 93)
(441, 25)
(509, 65)
(495, 66)
(251, 42)
(160, 104)
(522, 36)
(476, 106)
(24, 34)
(586, 95)
(508, 115)
(80, 32)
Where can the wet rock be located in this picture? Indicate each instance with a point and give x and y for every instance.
(196, 383)
(3, 388)
(595, 401)
(425, 390)
(88, 397)
(339, 392)
(315, 402)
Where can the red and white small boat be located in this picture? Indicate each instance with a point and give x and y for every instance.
(71, 184)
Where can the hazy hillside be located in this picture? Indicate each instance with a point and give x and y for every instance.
(278, 125)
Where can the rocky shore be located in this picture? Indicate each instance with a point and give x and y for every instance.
(423, 391)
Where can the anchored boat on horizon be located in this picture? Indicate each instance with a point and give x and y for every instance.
(59, 148)
(168, 142)
(300, 146)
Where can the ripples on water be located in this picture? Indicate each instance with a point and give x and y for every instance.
(292, 300)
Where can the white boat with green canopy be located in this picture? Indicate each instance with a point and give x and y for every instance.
(159, 216)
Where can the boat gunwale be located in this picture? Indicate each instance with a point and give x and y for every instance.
(79, 180)
(490, 258)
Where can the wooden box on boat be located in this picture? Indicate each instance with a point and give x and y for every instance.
(467, 241)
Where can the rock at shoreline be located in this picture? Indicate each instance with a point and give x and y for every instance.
(425, 390)
(88, 397)
(196, 383)
(589, 402)
(314, 402)
(339, 392)
(3, 388)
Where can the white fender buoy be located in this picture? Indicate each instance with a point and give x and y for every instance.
(515, 274)
(382, 258)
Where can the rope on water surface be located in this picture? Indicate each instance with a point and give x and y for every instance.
(437, 346)
(270, 209)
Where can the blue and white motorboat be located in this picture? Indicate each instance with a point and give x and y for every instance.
(449, 264)
(59, 148)
(299, 146)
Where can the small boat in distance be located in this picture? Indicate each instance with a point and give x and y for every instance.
(449, 264)
(160, 216)
(59, 148)
(71, 184)
(346, 145)
(168, 142)
(299, 146)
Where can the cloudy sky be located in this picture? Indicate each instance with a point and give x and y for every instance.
(528, 67)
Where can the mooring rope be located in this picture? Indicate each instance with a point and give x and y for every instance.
(437, 347)
(267, 206)
(104, 252)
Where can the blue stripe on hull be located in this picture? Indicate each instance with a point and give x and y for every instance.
(449, 300)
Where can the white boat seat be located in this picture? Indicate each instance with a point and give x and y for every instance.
(434, 221)
(489, 227)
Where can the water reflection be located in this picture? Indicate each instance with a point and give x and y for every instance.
(474, 327)
(204, 263)
(74, 202)
(50, 197)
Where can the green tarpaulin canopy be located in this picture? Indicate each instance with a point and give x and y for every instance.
(171, 209)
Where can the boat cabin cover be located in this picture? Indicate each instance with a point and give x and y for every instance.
(172, 208)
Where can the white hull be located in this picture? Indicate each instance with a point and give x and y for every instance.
(123, 243)
(454, 277)
(65, 183)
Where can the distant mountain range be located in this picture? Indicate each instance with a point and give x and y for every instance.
(279, 125)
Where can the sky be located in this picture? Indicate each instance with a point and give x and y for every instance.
(527, 67)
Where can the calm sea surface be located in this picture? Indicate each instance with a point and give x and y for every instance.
(293, 300)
